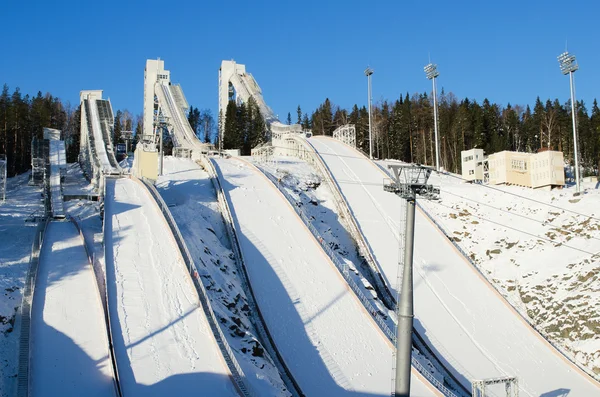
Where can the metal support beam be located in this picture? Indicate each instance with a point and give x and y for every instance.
(408, 182)
(574, 114)
(568, 65)
(405, 309)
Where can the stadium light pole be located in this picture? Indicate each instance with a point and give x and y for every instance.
(431, 73)
(368, 73)
(568, 65)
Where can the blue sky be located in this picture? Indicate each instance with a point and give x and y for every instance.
(302, 51)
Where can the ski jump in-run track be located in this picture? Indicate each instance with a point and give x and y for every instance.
(69, 346)
(162, 340)
(477, 333)
(326, 338)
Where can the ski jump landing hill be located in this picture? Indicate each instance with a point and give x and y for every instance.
(69, 348)
(162, 340)
(326, 338)
(165, 102)
(96, 151)
(471, 327)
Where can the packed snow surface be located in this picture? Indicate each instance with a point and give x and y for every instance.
(69, 345)
(540, 248)
(188, 191)
(456, 310)
(328, 341)
(163, 343)
(16, 239)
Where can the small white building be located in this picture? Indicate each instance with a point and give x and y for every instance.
(547, 169)
(472, 164)
(535, 170)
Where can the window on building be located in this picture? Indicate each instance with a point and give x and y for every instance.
(471, 172)
(519, 165)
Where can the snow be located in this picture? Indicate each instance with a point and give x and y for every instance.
(539, 253)
(163, 342)
(456, 310)
(315, 199)
(189, 192)
(99, 143)
(16, 239)
(328, 341)
(69, 346)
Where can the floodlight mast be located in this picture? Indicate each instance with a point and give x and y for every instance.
(408, 181)
(431, 73)
(568, 65)
(368, 73)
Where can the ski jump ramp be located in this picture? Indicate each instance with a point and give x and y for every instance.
(328, 341)
(460, 315)
(69, 344)
(165, 102)
(162, 340)
(96, 147)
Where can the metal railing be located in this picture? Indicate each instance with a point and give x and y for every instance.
(345, 213)
(257, 319)
(23, 369)
(103, 298)
(228, 354)
(344, 270)
(305, 151)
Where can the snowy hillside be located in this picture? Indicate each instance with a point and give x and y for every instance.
(540, 248)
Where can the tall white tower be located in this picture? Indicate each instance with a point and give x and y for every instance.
(154, 73)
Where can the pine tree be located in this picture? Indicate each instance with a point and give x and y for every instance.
(231, 136)
(289, 118)
(299, 113)
(117, 127)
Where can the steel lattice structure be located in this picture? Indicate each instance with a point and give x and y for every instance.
(346, 133)
(511, 385)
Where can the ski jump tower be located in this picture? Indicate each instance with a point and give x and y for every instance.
(165, 106)
(236, 84)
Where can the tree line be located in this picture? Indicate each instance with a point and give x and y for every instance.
(404, 129)
(244, 127)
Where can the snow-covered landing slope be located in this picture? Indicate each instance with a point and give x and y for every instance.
(69, 345)
(188, 191)
(323, 333)
(163, 342)
(456, 310)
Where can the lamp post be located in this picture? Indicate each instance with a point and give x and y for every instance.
(408, 181)
(368, 73)
(431, 73)
(568, 65)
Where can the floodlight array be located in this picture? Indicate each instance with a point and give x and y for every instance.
(431, 71)
(567, 63)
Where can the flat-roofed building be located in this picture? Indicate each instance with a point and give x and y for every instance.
(472, 164)
(510, 168)
(547, 169)
(536, 170)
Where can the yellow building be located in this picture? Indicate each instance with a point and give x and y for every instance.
(535, 170)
